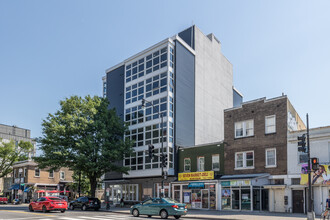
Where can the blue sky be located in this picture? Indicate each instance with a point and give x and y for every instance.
(50, 50)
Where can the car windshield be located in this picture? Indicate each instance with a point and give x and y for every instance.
(169, 200)
(55, 199)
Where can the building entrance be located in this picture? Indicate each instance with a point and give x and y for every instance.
(298, 201)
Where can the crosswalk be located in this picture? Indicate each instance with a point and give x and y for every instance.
(110, 216)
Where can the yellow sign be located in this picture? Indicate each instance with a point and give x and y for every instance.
(207, 175)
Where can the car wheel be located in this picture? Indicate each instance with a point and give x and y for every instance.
(30, 208)
(62, 211)
(44, 209)
(177, 216)
(83, 208)
(71, 207)
(136, 213)
(149, 216)
(163, 214)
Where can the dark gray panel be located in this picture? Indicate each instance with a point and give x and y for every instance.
(188, 36)
(237, 99)
(115, 90)
(115, 95)
(184, 96)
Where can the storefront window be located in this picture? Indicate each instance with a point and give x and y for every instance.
(225, 198)
(213, 196)
(196, 199)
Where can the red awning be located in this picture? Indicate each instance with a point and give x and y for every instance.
(40, 191)
(53, 191)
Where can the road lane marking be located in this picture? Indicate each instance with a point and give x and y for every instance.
(27, 212)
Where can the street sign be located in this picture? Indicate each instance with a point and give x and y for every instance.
(162, 191)
(108, 191)
(20, 192)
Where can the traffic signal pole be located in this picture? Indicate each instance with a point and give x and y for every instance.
(310, 214)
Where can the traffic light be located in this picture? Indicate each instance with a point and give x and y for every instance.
(315, 163)
(164, 160)
(302, 143)
(151, 150)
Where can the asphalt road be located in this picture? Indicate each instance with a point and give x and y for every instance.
(21, 212)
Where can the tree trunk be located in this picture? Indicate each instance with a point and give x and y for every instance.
(93, 183)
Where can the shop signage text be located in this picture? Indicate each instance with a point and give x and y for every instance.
(236, 183)
(207, 175)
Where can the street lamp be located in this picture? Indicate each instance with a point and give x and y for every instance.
(162, 157)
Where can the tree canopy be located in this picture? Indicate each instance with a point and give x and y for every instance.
(85, 136)
(10, 153)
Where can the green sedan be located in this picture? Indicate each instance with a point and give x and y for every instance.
(159, 206)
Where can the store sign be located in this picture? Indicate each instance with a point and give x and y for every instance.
(196, 185)
(207, 175)
(319, 177)
(236, 183)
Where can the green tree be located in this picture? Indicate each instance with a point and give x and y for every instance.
(85, 136)
(10, 153)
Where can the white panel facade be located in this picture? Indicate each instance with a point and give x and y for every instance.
(213, 89)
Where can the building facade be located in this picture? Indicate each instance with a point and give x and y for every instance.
(178, 76)
(256, 156)
(199, 170)
(31, 182)
(297, 191)
(16, 134)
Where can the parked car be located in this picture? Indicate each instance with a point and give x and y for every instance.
(49, 203)
(159, 206)
(3, 200)
(85, 203)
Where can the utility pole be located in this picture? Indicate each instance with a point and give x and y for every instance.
(163, 158)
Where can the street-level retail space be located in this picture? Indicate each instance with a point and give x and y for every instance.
(196, 194)
(244, 192)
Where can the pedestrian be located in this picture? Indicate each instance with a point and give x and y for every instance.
(122, 202)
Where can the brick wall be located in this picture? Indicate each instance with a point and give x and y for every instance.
(257, 110)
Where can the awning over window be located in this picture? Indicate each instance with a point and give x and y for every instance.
(15, 187)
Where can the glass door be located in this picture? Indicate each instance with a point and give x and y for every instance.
(205, 199)
(235, 199)
(246, 199)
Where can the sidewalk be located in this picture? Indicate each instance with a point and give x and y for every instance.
(243, 215)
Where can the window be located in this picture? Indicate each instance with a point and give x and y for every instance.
(295, 181)
(244, 129)
(187, 165)
(37, 172)
(271, 157)
(244, 160)
(62, 175)
(51, 174)
(270, 124)
(200, 163)
(25, 172)
(215, 162)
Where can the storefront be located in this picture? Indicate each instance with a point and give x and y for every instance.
(244, 192)
(198, 194)
(129, 192)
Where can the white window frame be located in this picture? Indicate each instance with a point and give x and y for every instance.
(266, 125)
(61, 175)
(184, 164)
(35, 173)
(51, 177)
(244, 160)
(244, 127)
(266, 158)
(199, 164)
(218, 157)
